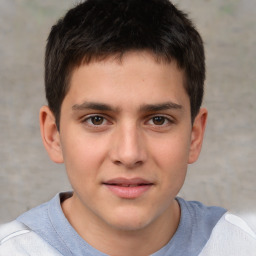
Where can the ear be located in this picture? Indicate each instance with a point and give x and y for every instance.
(197, 135)
(50, 135)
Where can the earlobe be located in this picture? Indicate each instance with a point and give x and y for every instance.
(50, 135)
(197, 135)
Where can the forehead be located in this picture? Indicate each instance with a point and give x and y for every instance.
(138, 77)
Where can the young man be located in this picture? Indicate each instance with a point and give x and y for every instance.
(124, 83)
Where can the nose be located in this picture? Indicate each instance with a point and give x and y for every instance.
(128, 147)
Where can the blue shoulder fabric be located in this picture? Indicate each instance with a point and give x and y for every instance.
(196, 224)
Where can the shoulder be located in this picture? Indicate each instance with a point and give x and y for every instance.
(37, 213)
(197, 208)
(195, 228)
(17, 239)
(12, 229)
(200, 216)
(231, 236)
(31, 233)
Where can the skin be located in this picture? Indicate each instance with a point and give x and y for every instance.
(128, 119)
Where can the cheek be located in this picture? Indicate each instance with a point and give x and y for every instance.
(83, 155)
(171, 157)
(81, 167)
(172, 153)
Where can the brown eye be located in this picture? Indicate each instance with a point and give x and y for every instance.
(97, 120)
(158, 120)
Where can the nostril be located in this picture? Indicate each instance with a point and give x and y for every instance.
(117, 162)
(138, 163)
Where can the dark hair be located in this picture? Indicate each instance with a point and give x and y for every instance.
(97, 29)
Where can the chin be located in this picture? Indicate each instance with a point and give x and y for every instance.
(130, 220)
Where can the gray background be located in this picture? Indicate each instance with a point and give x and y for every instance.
(225, 173)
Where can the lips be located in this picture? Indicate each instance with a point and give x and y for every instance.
(128, 188)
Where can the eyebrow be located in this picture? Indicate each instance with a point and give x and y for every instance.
(92, 105)
(160, 107)
(144, 108)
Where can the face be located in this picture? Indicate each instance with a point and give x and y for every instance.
(126, 139)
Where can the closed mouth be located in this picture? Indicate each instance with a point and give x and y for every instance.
(128, 188)
(123, 182)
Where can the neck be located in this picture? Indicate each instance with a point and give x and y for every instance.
(144, 241)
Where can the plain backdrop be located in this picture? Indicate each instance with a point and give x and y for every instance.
(225, 174)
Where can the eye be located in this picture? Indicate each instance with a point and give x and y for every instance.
(159, 121)
(95, 120)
